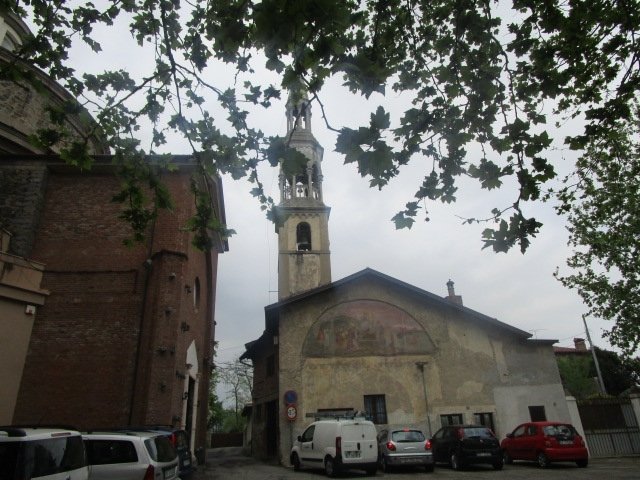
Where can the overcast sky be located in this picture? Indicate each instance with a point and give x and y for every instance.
(514, 288)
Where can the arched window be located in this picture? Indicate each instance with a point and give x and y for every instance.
(315, 182)
(303, 237)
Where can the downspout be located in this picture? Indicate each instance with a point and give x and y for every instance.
(145, 291)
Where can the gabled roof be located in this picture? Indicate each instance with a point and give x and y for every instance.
(272, 312)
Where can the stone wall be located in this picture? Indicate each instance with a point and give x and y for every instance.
(22, 187)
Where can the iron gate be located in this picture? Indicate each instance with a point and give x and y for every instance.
(610, 426)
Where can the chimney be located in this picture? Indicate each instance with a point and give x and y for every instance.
(452, 297)
(580, 344)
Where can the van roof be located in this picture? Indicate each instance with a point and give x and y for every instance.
(354, 421)
(19, 433)
(98, 434)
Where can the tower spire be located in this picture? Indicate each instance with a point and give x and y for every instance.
(298, 115)
(302, 217)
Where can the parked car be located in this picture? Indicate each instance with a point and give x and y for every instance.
(404, 447)
(337, 445)
(461, 445)
(545, 442)
(130, 456)
(180, 440)
(42, 453)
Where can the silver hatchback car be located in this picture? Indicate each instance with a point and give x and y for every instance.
(404, 447)
(130, 456)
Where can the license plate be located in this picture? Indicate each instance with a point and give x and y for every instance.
(186, 463)
(410, 460)
(484, 454)
(352, 454)
(170, 472)
(566, 442)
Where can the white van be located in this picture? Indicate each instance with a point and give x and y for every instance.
(42, 453)
(336, 445)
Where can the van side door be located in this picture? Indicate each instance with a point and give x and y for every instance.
(309, 454)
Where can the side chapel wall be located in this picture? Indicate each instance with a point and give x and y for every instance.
(472, 367)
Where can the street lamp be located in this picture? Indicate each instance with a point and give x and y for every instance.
(420, 366)
(595, 357)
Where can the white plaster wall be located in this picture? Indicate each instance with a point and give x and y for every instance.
(513, 404)
(15, 333)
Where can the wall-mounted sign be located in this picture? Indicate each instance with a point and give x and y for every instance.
(290, 397)
(292, 412)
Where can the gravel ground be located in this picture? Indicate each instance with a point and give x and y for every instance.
(231, 463)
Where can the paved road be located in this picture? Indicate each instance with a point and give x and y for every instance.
(231, 464)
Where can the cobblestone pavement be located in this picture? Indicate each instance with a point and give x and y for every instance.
(231, 464)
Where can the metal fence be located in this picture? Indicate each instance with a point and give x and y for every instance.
(610, 427)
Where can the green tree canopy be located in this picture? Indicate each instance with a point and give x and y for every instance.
(578, 373)
(236, 379)
(495, 77)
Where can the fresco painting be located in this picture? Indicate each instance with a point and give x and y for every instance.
(366, 327)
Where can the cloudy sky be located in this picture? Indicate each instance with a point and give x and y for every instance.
(514, 288)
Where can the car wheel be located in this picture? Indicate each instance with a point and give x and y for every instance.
(329, 467)
(454, 460)
(543, 460)
(429, 468)
(582, 463)
(371, 471)
(295, 461)
(498, 465)
(506, 458)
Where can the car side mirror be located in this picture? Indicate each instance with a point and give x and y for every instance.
(299, 438)
(509, 435)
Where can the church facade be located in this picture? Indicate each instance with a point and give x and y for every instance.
(95, 333)
(372, 343)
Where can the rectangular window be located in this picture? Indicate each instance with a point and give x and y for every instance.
(451, 419)
(537, 413)
(271, 365)
(376, 408)
(484, 418)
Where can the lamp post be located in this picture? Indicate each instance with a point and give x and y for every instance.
(595, 358)
(420, 366)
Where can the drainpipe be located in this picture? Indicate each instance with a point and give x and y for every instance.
(145, 291)
(420, 366)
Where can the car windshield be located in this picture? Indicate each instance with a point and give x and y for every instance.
(160, 449)
(407, 436)
(478, 432)
(559, 431)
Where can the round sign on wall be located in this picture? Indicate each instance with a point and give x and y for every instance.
(292, 412)
(290, 397)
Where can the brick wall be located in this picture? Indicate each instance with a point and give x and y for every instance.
(109, 347)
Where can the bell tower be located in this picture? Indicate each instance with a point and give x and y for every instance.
(302, 218)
